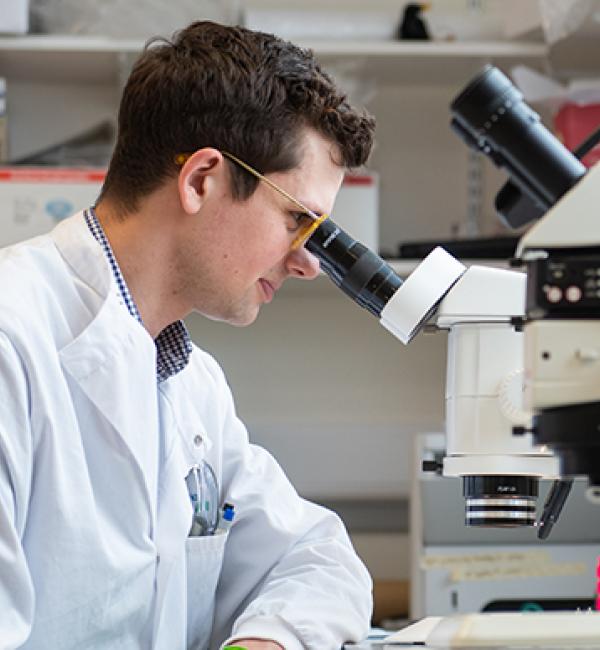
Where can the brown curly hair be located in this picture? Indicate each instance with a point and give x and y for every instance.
(237, 90)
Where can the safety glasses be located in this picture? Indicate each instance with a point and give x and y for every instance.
(307, 220)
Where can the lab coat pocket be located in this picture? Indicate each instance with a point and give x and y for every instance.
(204, 556)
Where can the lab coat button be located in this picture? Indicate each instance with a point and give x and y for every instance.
(197, 440)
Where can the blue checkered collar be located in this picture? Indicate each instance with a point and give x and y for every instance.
(173, 344)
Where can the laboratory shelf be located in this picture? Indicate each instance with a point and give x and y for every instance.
(66, 59)
(427, 63)
(101, 60)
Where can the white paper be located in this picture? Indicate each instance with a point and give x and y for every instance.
(413, 634)
(542, 89)
(560, 18)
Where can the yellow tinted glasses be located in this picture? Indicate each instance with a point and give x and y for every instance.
(307, 220)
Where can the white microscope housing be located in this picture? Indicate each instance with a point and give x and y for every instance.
(484, 382)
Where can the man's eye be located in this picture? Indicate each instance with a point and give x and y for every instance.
(299, 220)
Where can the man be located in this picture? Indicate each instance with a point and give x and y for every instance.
(118, 438)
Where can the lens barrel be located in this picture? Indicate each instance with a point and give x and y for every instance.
(500, 501)
(359, 272)
(491, 116)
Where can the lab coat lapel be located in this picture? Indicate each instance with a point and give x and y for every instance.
(113, 360)
(173, 524)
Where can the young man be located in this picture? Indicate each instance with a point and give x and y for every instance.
(119, 441)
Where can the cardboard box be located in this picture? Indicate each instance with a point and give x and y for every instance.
(14, 17)
(33, 199)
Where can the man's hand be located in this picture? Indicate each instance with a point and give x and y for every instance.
(256, 644)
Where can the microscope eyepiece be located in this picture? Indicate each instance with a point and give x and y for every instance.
(491, 117)
(490, 93)
(358, 271)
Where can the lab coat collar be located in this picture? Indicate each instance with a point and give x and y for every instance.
(83, 254)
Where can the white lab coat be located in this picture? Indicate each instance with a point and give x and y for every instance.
(94, 512)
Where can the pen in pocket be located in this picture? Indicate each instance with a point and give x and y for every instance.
(226, 519)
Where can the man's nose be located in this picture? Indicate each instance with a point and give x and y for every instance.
(301, 263)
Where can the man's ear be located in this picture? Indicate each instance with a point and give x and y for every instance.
(197, 178)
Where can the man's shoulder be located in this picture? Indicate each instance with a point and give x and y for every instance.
(24, 297)
(33, 255)
(203, 365)
(203, 375)
(202, 390)
(24, 269)
(36, 282)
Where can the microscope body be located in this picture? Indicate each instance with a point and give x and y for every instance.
(484, 378)
(484, 381)
(484, 399)
(524, 357)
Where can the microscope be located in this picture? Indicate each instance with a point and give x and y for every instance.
(523, 364)
(561, 255)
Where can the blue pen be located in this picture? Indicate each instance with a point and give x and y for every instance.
(226, 518)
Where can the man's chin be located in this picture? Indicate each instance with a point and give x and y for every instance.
(243, 320)
(239, 318)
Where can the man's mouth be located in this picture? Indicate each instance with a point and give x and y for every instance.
(268, 289)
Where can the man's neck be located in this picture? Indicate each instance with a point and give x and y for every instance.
(143, 246)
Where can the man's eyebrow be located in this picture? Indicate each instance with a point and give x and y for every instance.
(309, 207)
(294, 204)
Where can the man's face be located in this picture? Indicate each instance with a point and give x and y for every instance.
(240, 255)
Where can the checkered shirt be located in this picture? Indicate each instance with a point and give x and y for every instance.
(173, 344)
